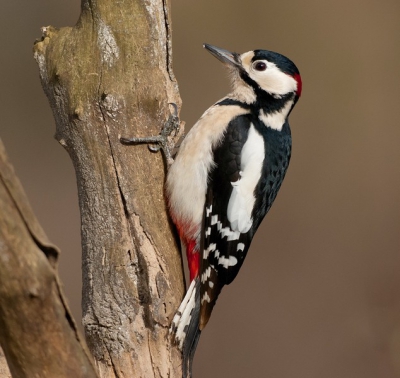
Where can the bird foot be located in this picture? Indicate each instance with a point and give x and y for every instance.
(165, 141)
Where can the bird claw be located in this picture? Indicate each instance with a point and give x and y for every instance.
(165, 140)
(154, 148)
(175, 109)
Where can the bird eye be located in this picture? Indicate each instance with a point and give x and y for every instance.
(260, 66)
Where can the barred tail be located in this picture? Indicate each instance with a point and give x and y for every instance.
(185, 326)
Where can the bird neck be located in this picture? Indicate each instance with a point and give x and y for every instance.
(275, 117)
(270, 103)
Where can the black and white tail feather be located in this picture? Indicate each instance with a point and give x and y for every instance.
(185, 326)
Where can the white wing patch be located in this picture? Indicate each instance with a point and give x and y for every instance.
(205, 298)
(225, 232)
(211, 248)
(242, 199)
(238, 214)
(240, 247)
(273, 80)
(228, 233)
(227, 262)
(206, 275)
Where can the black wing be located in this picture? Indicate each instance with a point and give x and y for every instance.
(224, 250)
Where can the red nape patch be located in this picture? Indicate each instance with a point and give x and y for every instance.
(193, 259)
(297, 77)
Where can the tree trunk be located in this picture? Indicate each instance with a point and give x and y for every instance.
(110, 76)
(37, 332)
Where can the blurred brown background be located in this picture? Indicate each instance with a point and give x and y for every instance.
(319, 294)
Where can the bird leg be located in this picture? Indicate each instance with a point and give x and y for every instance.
(164, 141)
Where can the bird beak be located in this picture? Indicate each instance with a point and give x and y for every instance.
(232, 59)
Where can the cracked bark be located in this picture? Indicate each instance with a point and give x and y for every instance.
(111, 76)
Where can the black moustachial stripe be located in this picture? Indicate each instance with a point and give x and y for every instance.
(232, 102)
(264, 101)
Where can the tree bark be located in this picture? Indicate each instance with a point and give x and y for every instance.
(37, 332)
(111, 76)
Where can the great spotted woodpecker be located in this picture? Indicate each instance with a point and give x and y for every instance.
(225, 177)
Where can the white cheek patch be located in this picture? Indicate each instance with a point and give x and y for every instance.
(273, 80)
(241, 202)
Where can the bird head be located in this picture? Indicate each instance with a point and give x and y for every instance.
(260, 71)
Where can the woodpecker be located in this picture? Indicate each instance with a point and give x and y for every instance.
(225, 177)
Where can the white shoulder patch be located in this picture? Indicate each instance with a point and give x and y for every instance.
(242, 199)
